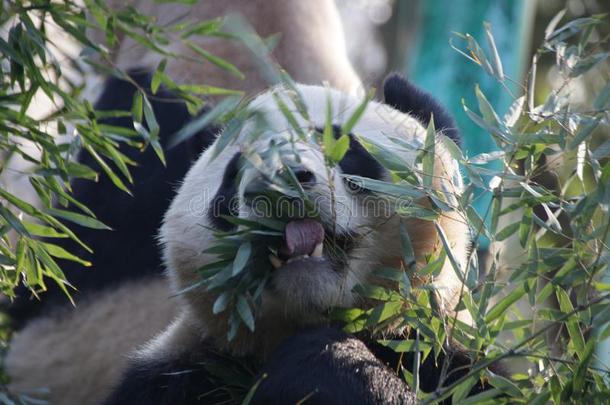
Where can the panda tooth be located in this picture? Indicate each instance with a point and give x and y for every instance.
(318, 250)
(275, 261)
(299, 257)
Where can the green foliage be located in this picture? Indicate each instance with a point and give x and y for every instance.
(32, 75)
(563, 231)
(39, 68)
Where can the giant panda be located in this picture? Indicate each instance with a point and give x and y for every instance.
(300, 353)
(70, 355)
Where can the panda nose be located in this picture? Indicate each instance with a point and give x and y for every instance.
(304, 176)
(259, 186)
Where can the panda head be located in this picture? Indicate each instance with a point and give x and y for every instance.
(352, 232)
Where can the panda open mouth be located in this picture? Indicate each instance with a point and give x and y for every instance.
(304, 239)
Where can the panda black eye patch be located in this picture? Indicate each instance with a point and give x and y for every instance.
(225, 202)
(357, 160)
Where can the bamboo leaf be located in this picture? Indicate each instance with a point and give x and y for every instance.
(507, 231)
(408, 255)
(497, 62)
(113, 177)
(525, 228)
(61, 253)
(190, 129)
(13, 221)
(356, 115)
(429, 154)
(218, 61)
(576, 337)
(79, 219)
(221, 303)
(500, 308)
(136, 106)
(157, 77)
(340, 148)
(449, 252)
(245, 313)
(242, 257)
(406, 345)
(401, 191)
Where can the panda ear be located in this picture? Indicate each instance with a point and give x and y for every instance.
(397, 92)
(404, 96)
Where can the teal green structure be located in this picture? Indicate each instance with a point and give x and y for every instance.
(449, 76)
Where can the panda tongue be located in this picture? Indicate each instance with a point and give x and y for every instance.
(301, 237)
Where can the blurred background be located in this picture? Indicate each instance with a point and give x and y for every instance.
(395, 35)
(416, 37)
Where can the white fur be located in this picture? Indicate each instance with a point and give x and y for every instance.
(311, 48)
(76, 356)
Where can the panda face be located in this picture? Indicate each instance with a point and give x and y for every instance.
(325, 253)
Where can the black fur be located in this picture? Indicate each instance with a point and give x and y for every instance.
(225, 202)
(327, 366)
(129, 251)
(407, 98)
(333, 367)
(324, 365)
(359, 162)
(169, 382)
(430, 379)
